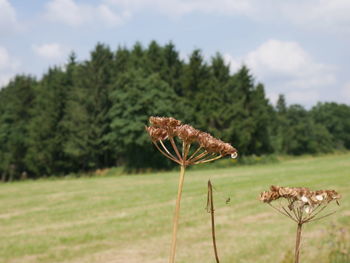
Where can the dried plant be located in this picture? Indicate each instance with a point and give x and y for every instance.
(301, 205)
(210, 209)
(165, 132)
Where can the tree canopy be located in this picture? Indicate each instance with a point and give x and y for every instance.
(90, 114)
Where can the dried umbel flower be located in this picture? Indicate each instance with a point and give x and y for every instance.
(164, 122)
(302, 205)
(157, 133)
(166, 130)
(300, 197)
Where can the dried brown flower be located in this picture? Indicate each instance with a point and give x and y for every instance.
(164, 122)
(302, 194)
(187, 133)
(157, 134)
(163, 128)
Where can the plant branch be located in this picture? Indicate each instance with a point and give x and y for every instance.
(166, 149)
(208, 160)
(281, 212)
(195, 152)
(175, 148)
(318, 218)
(165, 154)
(199, 156)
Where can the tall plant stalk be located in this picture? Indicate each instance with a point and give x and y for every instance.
(176, 214)
(208, 149)
(210, 207)
(298, 243)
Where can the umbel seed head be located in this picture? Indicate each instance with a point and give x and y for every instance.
(301, 204)
(299, 194)
(167, 128)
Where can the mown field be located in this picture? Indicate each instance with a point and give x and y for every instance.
(129, 218)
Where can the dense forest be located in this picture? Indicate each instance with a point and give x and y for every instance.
(91, 114)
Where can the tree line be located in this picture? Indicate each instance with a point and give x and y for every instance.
(91, 114)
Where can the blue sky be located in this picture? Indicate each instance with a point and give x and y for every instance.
(296, 47)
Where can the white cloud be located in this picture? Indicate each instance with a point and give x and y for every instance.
(319, 14)
(73, 14)
(49, 50)
(288, 60)
(8, 20)
(285, 67)
(329, 15)
(8, 66)
(182, 7)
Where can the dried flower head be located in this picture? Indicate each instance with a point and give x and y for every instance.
(303, 204)
(187, 133)
(164, 122)
(157, 134)
(166, 128)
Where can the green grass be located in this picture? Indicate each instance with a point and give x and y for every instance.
(129, 218)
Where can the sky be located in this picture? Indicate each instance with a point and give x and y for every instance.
(299, 48)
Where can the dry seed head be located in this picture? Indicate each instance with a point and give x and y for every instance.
(163, 128)
(187, 133)
(164, 122)
(302, 194)
(157, 134)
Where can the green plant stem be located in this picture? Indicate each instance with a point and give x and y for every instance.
(176, 215)
(297, 242)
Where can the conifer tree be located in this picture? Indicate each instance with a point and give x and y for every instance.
(47, 134)
(86, 119)
(17, 102)
(137, 96)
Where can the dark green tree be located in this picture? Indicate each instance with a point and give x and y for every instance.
(16, 105)
(137, 96)
(336, 118)
(47, 134)
(86, 119)
(304, 135)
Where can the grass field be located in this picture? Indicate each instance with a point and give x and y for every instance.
(128, 218)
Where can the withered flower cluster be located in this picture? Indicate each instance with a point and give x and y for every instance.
(167, 128)
(300, 200)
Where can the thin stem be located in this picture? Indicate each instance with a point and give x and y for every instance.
(281, 212)
(196, 151)
(175, 148)
(166, 149)
(292, 208)
(188, 146)
(196, 158)
(314, 215)
(285, 210)
(166, 155)
(297, 242)
(176, 214)
(211, 203)
(318, 218)
(184, 151)
(208, 160)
